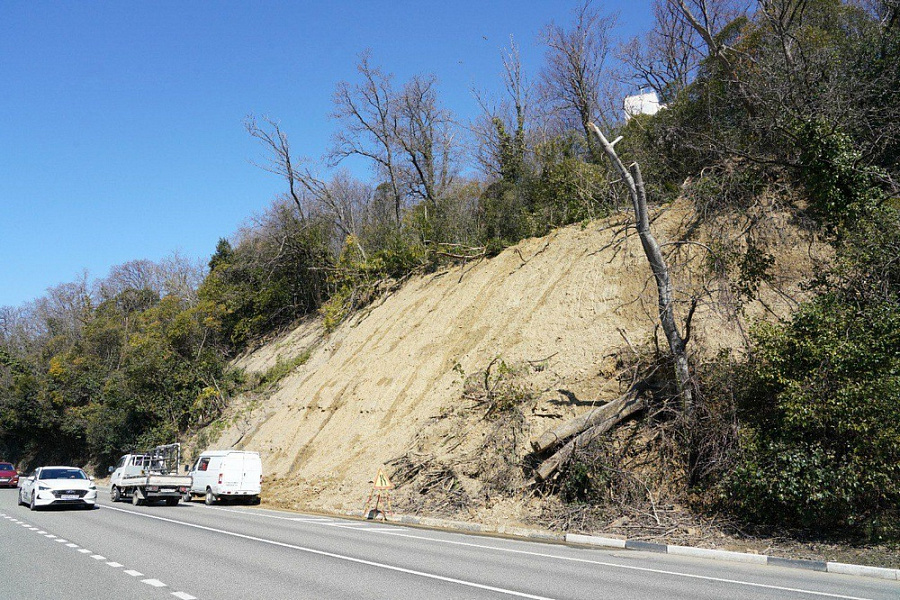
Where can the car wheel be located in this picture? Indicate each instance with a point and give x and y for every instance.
(21, 501)
(210, 497)
(115, 493)
(135, 500)
(32, 505)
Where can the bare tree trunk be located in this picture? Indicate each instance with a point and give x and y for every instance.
(657, 262)
(560, 433)
(617, 411)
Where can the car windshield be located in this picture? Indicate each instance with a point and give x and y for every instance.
(63, 474)
(6, 467)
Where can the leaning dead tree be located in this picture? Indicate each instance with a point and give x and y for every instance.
(600, 420)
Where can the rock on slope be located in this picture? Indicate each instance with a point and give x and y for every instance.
(574, 300)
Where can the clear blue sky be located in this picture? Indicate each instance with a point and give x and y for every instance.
(121, 132)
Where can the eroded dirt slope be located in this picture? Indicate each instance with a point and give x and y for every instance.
(572, 302)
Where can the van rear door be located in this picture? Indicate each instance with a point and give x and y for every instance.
(252, 476)
(241, 472)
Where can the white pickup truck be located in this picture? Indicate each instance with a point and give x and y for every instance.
(149, 477)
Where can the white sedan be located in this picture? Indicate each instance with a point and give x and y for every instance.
(57, 486)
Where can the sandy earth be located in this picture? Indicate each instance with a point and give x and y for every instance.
(391, 381)
(572, 302)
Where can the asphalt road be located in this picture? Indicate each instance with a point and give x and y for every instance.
(246, 553)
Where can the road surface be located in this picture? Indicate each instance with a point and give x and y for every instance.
(193, 551)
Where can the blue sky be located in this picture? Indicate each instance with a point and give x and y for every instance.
(121, 131)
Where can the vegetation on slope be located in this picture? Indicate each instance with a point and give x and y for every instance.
(787, 106)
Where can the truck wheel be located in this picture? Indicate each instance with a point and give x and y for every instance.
(254, 500)
(115, 493)
(135, 500)
(186, 497)
(210, 497)
(171, 501)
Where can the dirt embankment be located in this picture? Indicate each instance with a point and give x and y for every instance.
(401, 385)
(571, 304)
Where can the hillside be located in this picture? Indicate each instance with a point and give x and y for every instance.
(559, 311)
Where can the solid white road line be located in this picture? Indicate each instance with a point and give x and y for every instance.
(343, 557)
(507, 550)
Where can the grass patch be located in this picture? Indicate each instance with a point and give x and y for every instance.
(277, 372)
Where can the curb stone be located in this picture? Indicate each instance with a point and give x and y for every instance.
(621, 543)
(760, 559)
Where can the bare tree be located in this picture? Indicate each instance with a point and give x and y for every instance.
(66, 308)
(500, 131)
(280, 161)
(667, 58)
(577, 80)
(677, 342)
(425, 133)
(369, 116)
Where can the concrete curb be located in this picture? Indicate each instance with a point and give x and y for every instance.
(621, 543)
(759, 559)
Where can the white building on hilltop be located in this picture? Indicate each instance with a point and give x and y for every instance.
(642, 104)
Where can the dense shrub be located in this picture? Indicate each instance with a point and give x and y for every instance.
(821, 408)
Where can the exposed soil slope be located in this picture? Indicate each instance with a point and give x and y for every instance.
(571, 303)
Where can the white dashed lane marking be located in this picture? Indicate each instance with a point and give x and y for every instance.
(115, 565)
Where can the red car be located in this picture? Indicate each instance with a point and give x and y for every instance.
(9, 477)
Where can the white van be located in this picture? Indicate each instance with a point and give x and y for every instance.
(225, 474)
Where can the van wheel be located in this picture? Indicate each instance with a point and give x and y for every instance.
(210, 497)
(115, 493)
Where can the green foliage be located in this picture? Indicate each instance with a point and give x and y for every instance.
(268, 281)
(559, 189)
(279, 371)
(838, 185)
(821, 407)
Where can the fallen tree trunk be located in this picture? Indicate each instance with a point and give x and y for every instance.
(560, 433)
(619, 410)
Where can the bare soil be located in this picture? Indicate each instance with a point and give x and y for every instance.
(396, 386)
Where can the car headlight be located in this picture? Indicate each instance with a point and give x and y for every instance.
(43, 487)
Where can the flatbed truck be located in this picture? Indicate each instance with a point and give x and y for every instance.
(149, 477)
